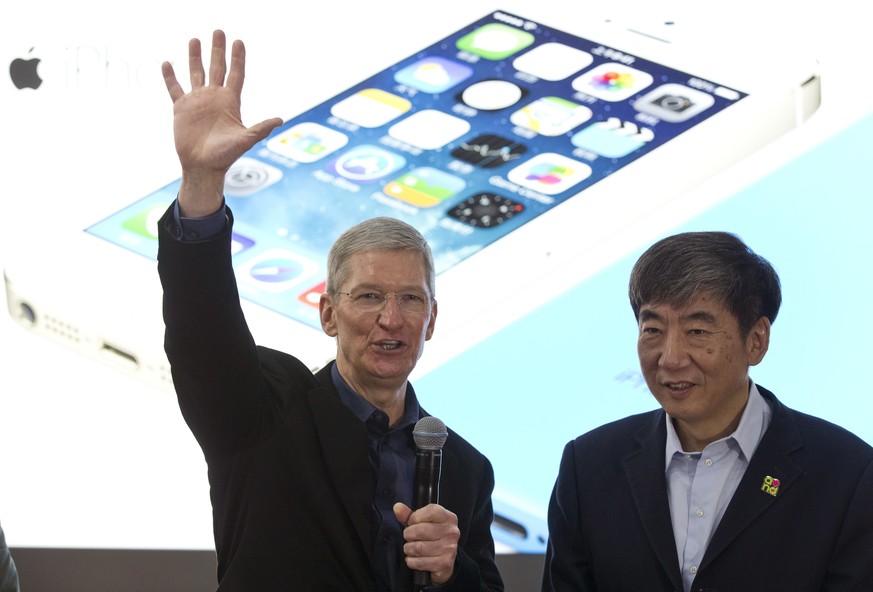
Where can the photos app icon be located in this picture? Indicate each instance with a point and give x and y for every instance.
(612, 82)
(550, 173)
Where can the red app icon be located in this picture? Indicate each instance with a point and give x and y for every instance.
(312, 295)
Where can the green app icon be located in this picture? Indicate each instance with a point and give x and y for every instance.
(495, 41)
(145, 222)
(424, 187)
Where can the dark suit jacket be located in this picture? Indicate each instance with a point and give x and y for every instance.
(609, 517)
(291, 484)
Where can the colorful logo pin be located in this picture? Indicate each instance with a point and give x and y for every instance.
(770, 485)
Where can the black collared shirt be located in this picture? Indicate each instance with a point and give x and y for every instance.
(392, 459)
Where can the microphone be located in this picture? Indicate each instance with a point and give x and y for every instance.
(429, 435)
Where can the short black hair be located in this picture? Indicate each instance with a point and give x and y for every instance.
(678, 268)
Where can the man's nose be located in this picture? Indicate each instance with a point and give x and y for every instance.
(390, 312)
(675, 351)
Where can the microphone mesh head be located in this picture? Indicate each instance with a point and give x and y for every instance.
(430, 433)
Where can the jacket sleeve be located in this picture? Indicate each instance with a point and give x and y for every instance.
(566, 566)
(476, 566)
(213, 357)
(850, 568)
(8, 573)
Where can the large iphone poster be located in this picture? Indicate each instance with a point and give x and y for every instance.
(94, 458)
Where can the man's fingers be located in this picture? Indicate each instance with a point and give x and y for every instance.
(218, 62)
(173, 86)
(237, 74)
(217, 66)
(261, 130)
(433, 513)
(437, 557)
(402, 513)
(195, 64)
(430, 523)
(432, 537)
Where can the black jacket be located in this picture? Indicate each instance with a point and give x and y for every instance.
(291, 484)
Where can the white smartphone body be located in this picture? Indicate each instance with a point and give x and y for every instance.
(519, 143)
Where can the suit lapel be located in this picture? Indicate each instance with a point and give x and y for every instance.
(344, 441)
(644, 469)
(756, 494)
(449, 490)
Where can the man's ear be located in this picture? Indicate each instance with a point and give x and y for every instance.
(758, 341)
(325, 312)
(432, 323)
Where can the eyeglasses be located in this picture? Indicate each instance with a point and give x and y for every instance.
(370, 300)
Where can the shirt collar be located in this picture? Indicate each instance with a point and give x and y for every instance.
(363, 409)
(753, 423)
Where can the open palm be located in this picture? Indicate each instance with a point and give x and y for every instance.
(209, 133)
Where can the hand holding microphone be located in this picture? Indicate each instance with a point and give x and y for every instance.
(431, 531)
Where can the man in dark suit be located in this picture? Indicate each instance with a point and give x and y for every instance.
(723, 489)
(8, 573)
(311, 475)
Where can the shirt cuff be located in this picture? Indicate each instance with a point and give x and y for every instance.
(198, 229)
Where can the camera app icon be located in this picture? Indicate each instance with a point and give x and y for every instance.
(674, 102)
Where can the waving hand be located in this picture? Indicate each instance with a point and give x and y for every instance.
(208, 130)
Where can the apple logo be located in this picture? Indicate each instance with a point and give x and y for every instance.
(23, 72)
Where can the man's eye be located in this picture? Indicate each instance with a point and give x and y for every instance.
(411, 298)
(368, 297)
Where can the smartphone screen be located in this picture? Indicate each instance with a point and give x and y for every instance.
(467, 140)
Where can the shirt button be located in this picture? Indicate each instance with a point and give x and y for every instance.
(708, 462)
(693, 569)
(699, 512)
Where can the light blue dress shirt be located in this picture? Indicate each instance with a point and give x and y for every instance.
(700, 484)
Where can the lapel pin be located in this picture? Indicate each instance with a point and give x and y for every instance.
(770, 485)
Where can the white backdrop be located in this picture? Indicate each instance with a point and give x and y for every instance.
(90, 457)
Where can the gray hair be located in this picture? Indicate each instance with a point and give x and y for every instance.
(678, 268)
(377, 234)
